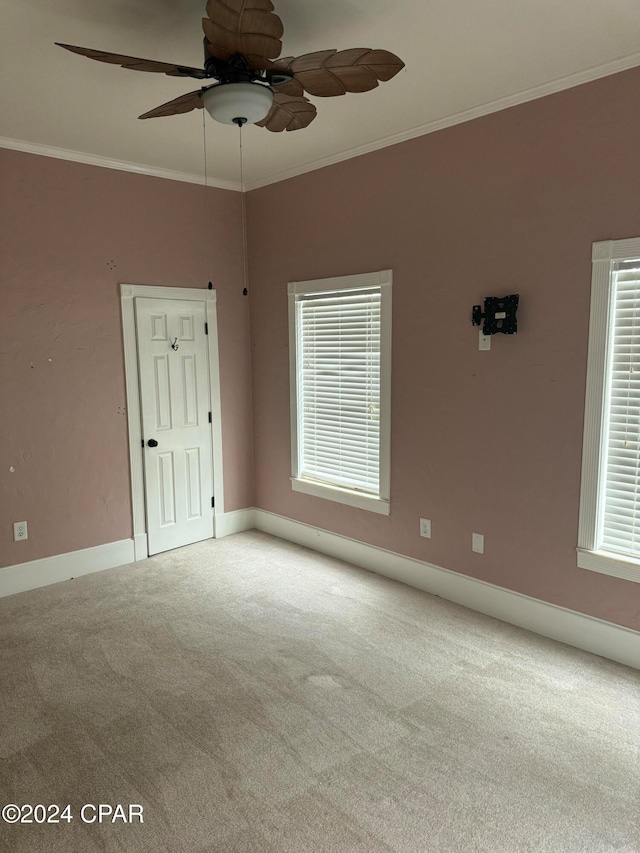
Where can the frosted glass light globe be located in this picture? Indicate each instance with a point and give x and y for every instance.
(238, 103)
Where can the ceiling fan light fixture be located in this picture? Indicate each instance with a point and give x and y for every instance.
(238, 103)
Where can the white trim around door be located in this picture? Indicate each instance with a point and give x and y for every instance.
(128, 292)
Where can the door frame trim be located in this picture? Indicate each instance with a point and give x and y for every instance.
(128, 292)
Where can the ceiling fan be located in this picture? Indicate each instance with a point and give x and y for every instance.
(241, 47)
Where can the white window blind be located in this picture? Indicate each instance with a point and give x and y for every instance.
(620, 522)
(339, 388)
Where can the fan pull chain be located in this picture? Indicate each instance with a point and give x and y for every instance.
(245, 259)
(207, 218)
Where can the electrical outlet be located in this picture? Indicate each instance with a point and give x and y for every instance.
(477, 543)
(19, 531)
(425, 528)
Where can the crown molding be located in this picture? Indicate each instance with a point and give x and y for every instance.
(623, 64)
(109, 163)
(559, 85)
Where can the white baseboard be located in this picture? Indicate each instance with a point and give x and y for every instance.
(62, 567)
(559, 623)
(233, 522)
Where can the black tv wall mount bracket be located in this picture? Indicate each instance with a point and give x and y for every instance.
(499, 315)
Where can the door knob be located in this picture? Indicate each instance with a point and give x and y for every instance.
(152, 443)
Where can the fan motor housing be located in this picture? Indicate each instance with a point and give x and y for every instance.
(236, 69)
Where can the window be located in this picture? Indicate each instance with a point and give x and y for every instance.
(340, 367)
(609, 534)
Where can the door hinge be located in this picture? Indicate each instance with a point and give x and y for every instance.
(143, 442)
(210, 418)
(206, 328)
(213, 502)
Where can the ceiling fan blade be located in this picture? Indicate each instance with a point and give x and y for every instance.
(249, 27)
(327, 73)
(183, 104)
(292, 87)
(134, 64)
(288, 113)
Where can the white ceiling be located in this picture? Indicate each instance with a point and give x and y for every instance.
(463, 58)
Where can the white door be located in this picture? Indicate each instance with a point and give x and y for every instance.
(174, 397)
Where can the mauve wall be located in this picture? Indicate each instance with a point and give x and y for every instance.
(481, 441)
(70, 234)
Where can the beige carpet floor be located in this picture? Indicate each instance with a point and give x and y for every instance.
(255, 696)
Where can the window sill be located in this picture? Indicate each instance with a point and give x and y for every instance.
(609, 564)
(343, 496)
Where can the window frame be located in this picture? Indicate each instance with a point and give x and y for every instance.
(382, 279)
(605, 256)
